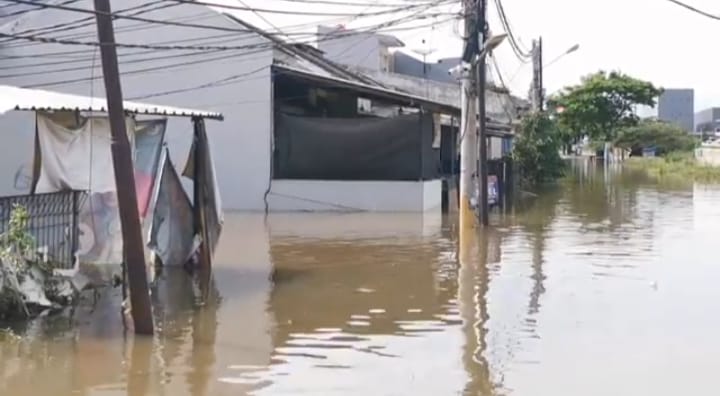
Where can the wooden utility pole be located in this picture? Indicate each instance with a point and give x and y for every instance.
(468, 123)
(133, 252)
(482, 33)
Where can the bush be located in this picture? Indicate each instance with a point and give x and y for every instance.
(537, 150)
(665, 138)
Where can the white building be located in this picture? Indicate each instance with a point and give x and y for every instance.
(232, 68)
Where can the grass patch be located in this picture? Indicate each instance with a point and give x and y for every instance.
(676, 166)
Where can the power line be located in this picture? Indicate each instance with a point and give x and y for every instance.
(51, 40)
(496, 68)
(68, 26)
(223, 81)
(155, 58)
(90, 21)
(259, 48)
(120, 16)
(243, 8)
(695, 10)
(417, 14)
(25, 10)
(523, 56)
(372, 4)
(139, 71)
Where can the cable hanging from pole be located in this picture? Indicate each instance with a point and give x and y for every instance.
(522, 55)
(695, 9)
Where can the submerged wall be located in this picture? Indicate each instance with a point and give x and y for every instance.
(355, 196)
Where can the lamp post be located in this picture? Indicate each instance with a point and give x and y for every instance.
(466, 73)
(537, 89)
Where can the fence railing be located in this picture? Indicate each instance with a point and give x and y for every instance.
(53, 223)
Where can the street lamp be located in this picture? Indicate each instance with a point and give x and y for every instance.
(568, 51)
(491, 43)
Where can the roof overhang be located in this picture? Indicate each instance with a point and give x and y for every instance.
(368, 91)
(25, 99)
(390, 41)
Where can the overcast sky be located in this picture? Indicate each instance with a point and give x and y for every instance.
(649, 39)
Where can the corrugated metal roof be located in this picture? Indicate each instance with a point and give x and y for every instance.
(15, 98)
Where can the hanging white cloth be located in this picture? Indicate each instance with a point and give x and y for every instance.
(76, 158)
(77, 155)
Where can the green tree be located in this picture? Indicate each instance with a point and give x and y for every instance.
(602, 104)
(665, 137)
(536, 150)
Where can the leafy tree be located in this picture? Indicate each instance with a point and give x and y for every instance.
(536, 150)
(665, 137)
(602, 104)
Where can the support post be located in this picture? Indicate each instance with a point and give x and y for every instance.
(482, 32)
(199, 205)
(133, 251)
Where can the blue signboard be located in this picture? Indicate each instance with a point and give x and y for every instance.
(492, 190)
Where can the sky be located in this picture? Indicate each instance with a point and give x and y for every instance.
(653, 40)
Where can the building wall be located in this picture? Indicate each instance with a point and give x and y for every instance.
(678, 106)
(361, 49)
(241, 144)
(353, 196)
(707, 120)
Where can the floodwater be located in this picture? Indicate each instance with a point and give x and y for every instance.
(606, 285)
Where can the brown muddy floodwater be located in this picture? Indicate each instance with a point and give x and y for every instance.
(607, 285)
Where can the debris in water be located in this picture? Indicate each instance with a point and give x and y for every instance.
(29, 288)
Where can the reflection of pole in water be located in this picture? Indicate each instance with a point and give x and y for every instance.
(138, 373)
(472, 290)
(203, 350)
(538, 276)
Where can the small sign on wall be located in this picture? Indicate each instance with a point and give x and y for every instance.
(493, 192)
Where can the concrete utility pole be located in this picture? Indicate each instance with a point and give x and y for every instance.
(482, 33)
(133, 252)
(537, 92)
(468, 126)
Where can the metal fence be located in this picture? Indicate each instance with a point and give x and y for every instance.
(53, 223)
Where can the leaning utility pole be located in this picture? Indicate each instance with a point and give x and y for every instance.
(468, 129)
(133, 252)
(482, 34)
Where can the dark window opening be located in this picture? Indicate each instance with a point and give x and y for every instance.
(323, 133)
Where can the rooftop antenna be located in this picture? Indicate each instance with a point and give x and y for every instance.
(424, 51)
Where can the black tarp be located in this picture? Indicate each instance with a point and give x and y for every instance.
(398, 148)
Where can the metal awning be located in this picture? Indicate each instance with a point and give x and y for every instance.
(16, 98)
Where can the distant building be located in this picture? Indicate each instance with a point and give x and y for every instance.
(677, 106)
(708, 120)
(368, 50)
(411, 66)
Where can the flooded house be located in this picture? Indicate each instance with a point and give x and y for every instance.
(301, 131)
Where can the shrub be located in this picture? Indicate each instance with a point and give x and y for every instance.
(536, 150)
(665, 138)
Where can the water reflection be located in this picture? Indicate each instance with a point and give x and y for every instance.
(608, 275)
